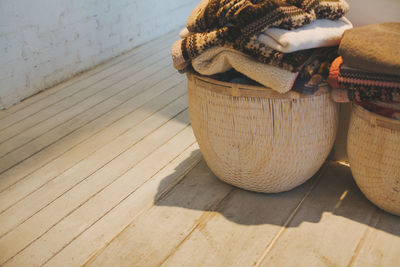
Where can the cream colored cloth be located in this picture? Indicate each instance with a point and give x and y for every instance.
(220, 59)
(319, 33)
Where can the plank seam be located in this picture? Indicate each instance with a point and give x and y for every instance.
(290, 218)
(145, 208)
(108, 211)
(54, 177)
(106, 127)
(361, 242)
(97, 132)
(93, 94)
(80, 205)
(202, 221)
(123, 151)
(127, 88)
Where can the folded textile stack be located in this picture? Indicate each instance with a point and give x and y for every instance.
(281, 44)
(368, 69)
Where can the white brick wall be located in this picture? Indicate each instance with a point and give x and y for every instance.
(45, 42)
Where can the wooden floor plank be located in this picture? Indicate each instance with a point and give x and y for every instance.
(86, 99)
(381, 244)
(247, 223)
(334, 213)
(102, 202)
(51, 181)
(328, 227)
(80, 80)
(135, 99)
(157, 232)
(163, 81)
(36, 139)
(104, 231)
(35, 227)
(100, 205)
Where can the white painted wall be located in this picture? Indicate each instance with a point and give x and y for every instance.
(44, 42)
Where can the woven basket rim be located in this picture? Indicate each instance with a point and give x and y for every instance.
(245, 90)
(375, 119)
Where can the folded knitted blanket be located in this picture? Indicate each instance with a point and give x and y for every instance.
(361, 85)
(374, 48)
(292, 62)
(236, 23)
(221, 59)
(319, 33)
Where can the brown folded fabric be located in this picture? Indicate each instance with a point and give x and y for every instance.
(374, 48)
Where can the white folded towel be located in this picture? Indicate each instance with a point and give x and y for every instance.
(220, 59)
(319, 33)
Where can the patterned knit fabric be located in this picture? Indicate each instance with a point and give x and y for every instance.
(236, 23)
(354, 77)
(364, 85)
(362, 93)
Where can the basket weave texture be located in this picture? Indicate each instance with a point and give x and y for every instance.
(257, 139)
(373, 148)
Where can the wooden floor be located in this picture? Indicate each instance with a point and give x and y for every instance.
(104, 170)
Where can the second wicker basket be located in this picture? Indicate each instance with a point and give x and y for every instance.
(373, 147)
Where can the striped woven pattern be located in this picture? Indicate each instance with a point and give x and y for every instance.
(354, 77)
(259, 140)
(373, 148)
(364, 85)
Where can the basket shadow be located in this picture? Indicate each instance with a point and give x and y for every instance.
(331, 192)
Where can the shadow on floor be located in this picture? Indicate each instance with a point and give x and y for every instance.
(332, 190)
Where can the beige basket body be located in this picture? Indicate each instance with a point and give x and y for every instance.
(259, 140)
(373, 148)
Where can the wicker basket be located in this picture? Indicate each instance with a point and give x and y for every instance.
(373, 148)
(257, 139)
